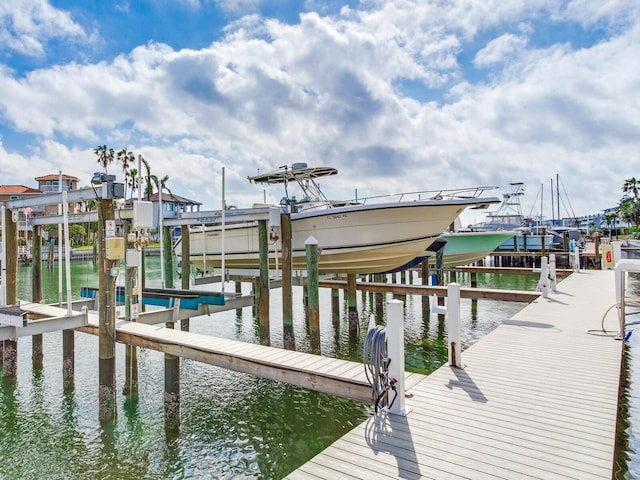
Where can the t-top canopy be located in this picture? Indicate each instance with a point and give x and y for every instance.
(297, 171)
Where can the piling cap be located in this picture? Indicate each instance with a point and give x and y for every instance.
(311, 241)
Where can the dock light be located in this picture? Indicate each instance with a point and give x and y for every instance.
(99, 178)
(110, 189)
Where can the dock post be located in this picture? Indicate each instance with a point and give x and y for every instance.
(287, 286)
(352, 306)
(453, 325)
(576, 259)
(335, 307)
(395, 342)
(130, 387)
(37, 352)
(552, 273)
(379, 296)
(424, 273)
(263, 307)
(451, 312)
(171, 362)
(168, 257)
(543, 283)
(238, 291)
(171, 390)
(107, 319)
(313, 309)
(10, 351)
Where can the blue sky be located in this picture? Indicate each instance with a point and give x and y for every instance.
(398, 95)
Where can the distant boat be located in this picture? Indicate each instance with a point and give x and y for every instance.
(509, 218)
(369, 235)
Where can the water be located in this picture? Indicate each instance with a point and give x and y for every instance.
(233, 425)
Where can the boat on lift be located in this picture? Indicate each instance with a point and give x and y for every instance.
(366, 235)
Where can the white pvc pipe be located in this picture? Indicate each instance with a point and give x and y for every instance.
(453, 325)
(3, 279)
(222, 265)
(60, 243)
(204, 251)
(67, 251)
(395, 350)
(139, 273)
(161, 229)
(576, 259)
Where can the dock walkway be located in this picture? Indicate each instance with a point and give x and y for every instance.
(537, 399)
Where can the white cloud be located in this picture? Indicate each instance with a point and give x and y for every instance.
(27, 25)
(322, 91)
(500, 49)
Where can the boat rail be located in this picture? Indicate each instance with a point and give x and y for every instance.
(443, 194)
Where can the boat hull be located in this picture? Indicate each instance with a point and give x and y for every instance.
(464, 248)
(365, 239)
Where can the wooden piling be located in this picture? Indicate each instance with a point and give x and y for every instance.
(68, 359)
(171, 362)
(287, 286)
(313, 309)
(352, 306)
(106, 314)
(424, 273)
(171, 390)
(130, 387)
(10, 350)
(167, 252)
(335, 307)
(37, 352)
(263, 308)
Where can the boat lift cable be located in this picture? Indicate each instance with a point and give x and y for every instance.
(376, 364)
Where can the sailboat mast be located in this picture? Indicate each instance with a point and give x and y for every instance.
(558, 194)
(553, 208)
(541, 203)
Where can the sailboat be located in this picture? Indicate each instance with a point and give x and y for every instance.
(366, 235)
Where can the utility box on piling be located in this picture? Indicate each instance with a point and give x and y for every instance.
(142, 214)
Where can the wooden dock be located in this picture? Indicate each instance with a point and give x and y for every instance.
(536, 399)
(314, 372)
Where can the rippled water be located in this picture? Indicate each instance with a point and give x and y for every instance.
(233, 425)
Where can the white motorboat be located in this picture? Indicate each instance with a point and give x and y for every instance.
(368, 235)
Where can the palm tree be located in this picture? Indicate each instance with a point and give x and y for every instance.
(631, 185)
(630, 205)
(126, 158)
(105, 156)
(131, 180)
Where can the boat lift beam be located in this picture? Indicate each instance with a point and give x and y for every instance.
(272, 214)
(14, 322)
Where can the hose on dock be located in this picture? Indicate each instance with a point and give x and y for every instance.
(376, 365)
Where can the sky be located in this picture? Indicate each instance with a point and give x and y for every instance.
(398, 95)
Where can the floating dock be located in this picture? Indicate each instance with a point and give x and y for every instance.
(537, 399)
